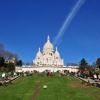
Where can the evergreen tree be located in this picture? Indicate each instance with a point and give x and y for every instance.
(83, 64)
(98, 63)
(19, 63)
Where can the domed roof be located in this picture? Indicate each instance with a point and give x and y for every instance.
(57, 53)
(48, 44)
(39, 54)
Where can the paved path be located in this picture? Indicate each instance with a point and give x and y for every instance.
(37, 90)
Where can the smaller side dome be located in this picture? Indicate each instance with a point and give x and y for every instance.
(39, 54)
(57, 53)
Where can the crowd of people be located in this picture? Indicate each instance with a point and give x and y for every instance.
(6, 78)
(82, 74)
(86, 74)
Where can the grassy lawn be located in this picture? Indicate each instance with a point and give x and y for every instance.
(59, 88)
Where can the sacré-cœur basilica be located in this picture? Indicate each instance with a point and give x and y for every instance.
(48, 59)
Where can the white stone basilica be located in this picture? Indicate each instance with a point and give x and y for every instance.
(48, 57)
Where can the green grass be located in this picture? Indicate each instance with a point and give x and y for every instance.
(59, 88)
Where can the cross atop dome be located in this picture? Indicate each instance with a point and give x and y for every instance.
(48, 38)
(56, 49)
(39, 49)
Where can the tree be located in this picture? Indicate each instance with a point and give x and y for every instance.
(10, 67)
(6, 54)
(83, 64)
(98, 63)
(19, 63)
(2, 61)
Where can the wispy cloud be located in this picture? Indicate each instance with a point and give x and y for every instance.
(68, 20)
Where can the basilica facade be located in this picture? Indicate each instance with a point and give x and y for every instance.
(48, 56)
(47, 59)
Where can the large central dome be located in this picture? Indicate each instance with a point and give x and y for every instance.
(48, 45)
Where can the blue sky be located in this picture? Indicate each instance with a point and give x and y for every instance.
(25, 25)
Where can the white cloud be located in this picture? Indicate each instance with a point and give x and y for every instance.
(68, 20)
